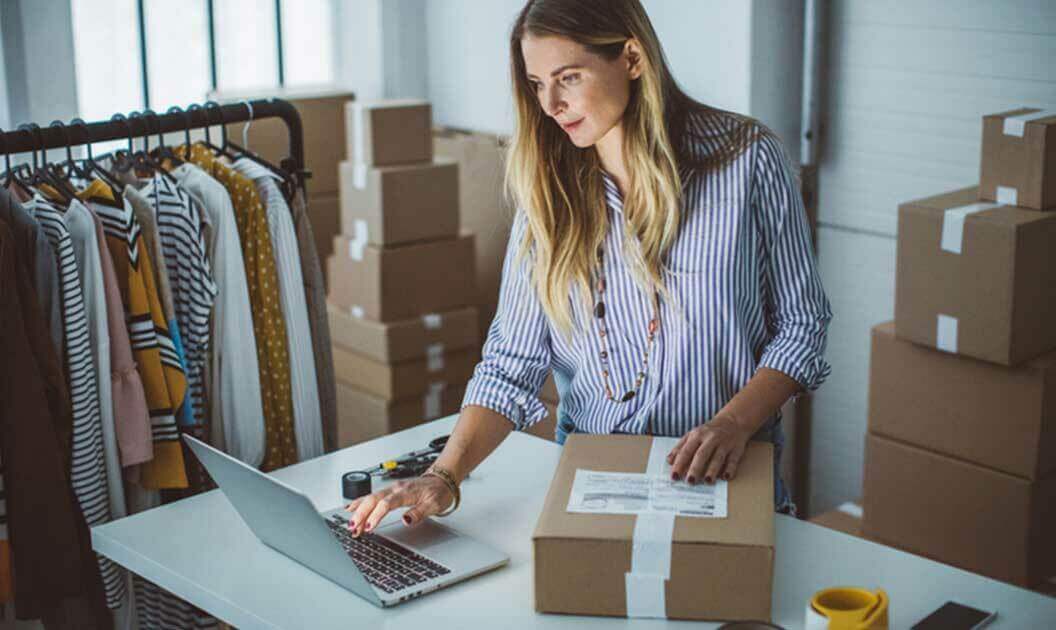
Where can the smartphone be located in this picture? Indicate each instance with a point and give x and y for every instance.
(954, 616)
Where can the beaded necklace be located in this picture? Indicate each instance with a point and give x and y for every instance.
(603, 334)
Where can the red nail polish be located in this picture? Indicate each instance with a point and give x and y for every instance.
(691, 479)
(675, 476)
(406, 519)
(725, 476)
(707, 479)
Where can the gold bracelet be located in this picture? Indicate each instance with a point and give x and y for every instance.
(449, 481)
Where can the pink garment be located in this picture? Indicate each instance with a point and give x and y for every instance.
(131, 418)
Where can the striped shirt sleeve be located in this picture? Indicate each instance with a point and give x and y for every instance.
(516, 355)
(796, 302)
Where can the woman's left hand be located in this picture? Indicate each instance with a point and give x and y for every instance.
(710, 451)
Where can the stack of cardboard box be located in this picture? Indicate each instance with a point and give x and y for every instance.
(961, 448)
(401, 277)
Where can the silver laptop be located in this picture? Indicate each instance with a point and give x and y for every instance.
(390, 565)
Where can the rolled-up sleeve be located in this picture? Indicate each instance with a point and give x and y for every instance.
(516, 356)
(797, 308)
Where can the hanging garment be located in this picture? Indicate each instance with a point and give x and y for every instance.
(131, 414)
(233, 388)
(268, 324)
(304, 385)
(50, 544)
(164, 382)
(88, 473)
(315, 293)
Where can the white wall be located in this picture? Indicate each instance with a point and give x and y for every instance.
(38, 61)
(908, 83)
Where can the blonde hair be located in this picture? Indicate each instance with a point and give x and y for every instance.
(560, 187)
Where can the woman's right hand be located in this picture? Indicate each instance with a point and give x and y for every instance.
(423, 496)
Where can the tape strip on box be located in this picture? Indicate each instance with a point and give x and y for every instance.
(358, 242)
(1007, 195)
(357, 132)
(359, 175)
(953, 224)
(1015, 125)
(946, 333)
(651, 547)
(431, 402)
(433, 321)
(434, 355)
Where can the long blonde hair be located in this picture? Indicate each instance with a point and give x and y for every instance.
(560, 187)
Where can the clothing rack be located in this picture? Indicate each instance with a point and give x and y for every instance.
(148, 123)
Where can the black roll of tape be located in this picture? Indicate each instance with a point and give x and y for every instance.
(355, 484)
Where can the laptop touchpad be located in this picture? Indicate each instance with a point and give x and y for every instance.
(421, 536)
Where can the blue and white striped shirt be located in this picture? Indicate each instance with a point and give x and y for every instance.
(742, 270)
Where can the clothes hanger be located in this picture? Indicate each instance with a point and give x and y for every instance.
(42, 175)
(145, 155)
(222, 149)
(91, 167)
(164, 152)
(122, 160)
(286, 181)
(56, 170)
(9, 177)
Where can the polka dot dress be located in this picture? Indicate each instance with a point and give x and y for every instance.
(269, 326)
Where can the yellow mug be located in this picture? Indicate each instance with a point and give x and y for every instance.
(847, 608)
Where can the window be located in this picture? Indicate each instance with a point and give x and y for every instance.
(135, 54)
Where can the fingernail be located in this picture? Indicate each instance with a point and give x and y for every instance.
(691, 479)
(725, 476)
(368, 527)
(407, 519)
(676, 476)
(708, 479)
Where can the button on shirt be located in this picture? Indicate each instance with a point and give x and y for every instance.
(746, 294)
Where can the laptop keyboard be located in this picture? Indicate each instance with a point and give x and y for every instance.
(386, 564)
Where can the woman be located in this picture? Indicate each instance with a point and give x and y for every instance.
(659, 263)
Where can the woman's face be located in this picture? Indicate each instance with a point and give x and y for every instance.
(584, 93)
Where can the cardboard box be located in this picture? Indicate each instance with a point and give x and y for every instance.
(322, 112)
(406, 339)
(390, 205)
(847, 518)
(959, 513)
(987, 291)
(386, 132)
(996, 416)
(402, 380)
(581, 559)
(484, 208)
(362, 417)
(1018, 164)
(393, 283)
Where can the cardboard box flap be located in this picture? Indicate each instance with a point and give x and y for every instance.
(749, 522)
(1009, 216)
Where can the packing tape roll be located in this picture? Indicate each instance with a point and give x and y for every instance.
(946, 333)
(433, 321)
(651, 547)
(431, 401)
(1015, 125)
(953, 224)
(358, 242)
(434, 355)
(1007, 195)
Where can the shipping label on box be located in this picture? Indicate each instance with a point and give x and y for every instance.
(977, 279)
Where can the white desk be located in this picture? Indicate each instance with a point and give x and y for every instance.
(200, 550)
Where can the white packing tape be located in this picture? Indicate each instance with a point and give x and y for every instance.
(1008, 195)
(953, 224)
(651, 547)
(851, 509)
(357, 312)
(946, 333)
(434, 356)
(358, 242)
(359, 175)
(1015, 125)
(433, 321)
(431, 401)
(358, 141)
